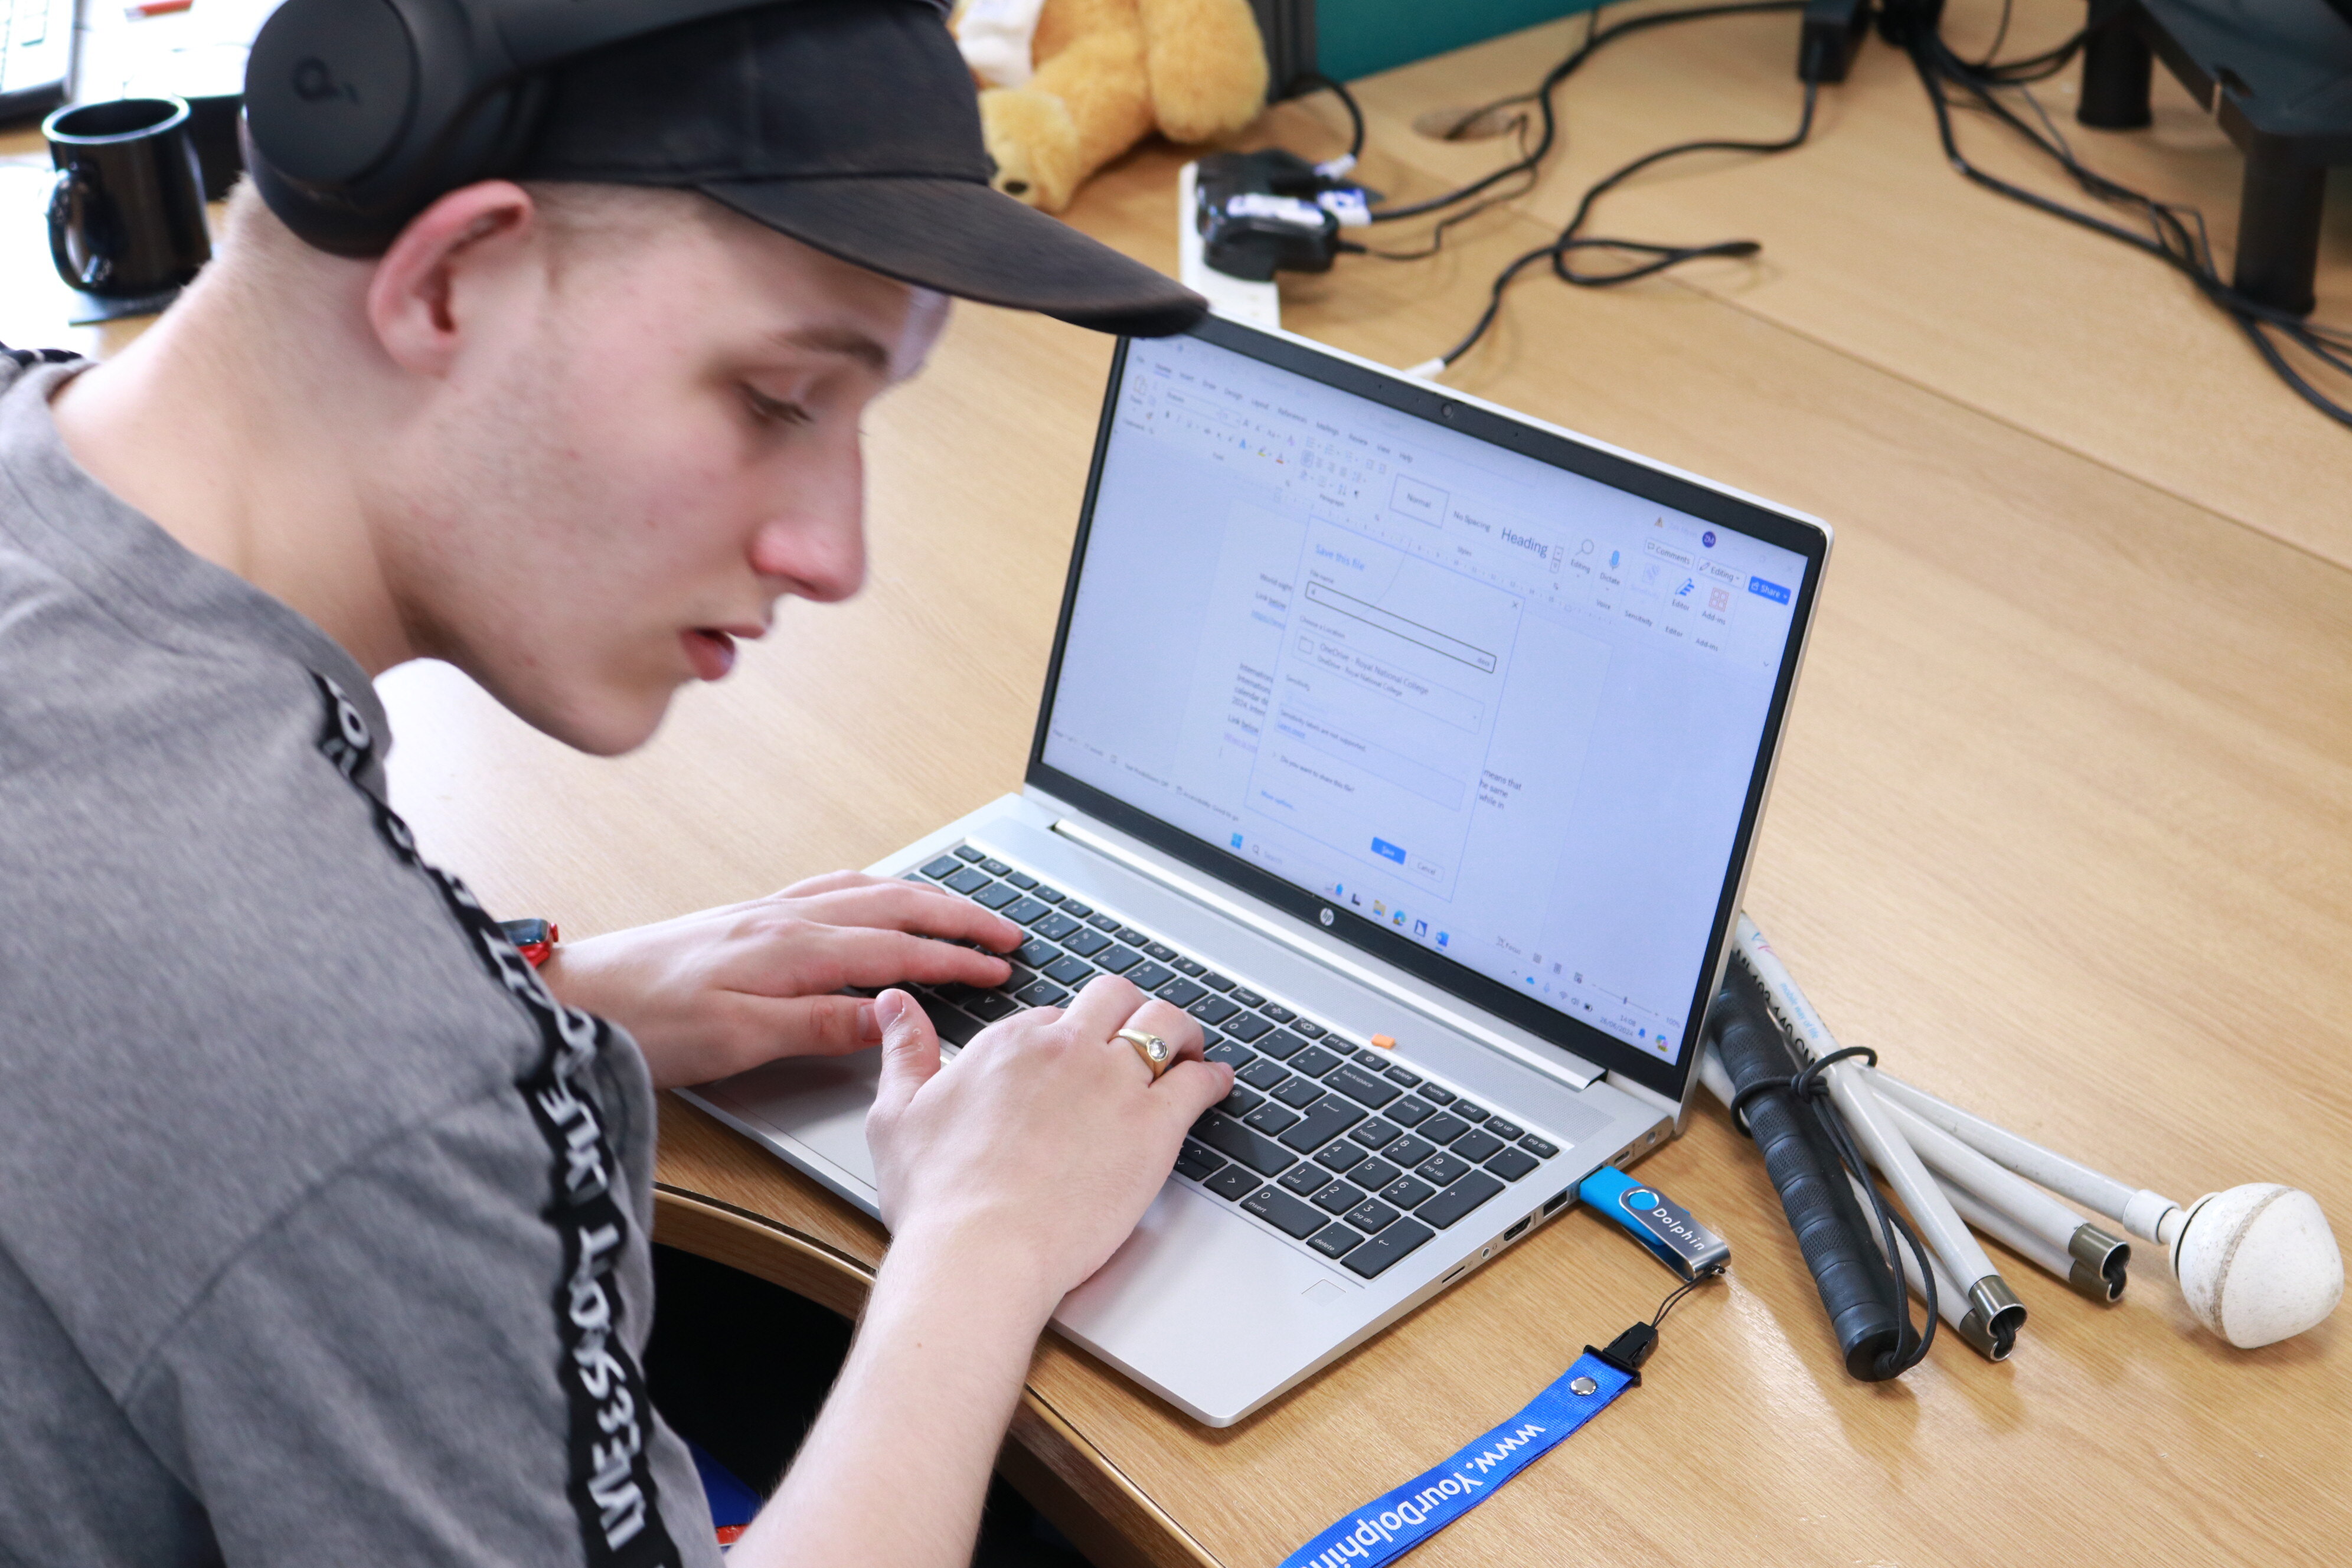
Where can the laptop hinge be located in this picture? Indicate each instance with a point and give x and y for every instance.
(1572, 1072)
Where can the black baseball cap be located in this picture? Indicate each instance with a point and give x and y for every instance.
(851, 126)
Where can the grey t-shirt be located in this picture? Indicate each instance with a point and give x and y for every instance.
(322, 1227)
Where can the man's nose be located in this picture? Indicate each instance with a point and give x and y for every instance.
(817, 554)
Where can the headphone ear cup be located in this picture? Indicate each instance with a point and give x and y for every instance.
(331, 89)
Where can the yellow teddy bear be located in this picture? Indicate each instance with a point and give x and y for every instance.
(1096, 77)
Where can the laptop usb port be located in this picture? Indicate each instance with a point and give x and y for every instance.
(1558, 1200)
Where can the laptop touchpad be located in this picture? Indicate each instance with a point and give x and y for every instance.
(819, 1102)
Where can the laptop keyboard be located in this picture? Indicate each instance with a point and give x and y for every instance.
(1336, 1146)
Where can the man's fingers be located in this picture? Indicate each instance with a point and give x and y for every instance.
(910, 1053)
(1103, 1006)
(861, 955)
(820, 1026)
(910, 907)
(1189, 1088)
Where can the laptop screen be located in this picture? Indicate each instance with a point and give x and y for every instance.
(1477, 688)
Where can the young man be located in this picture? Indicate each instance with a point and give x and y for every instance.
(322, 1223)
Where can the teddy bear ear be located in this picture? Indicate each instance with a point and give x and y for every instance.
(1207, 65)
(1033, 142)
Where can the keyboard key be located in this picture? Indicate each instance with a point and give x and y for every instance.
(1197, 1161)
(1459, 1199)
(1233, 1056)
(1335, 1241)
(1475, 1145)
(1408, 1151)
(1068, 971)
(1311, 1030)
(1132, 937)
(1282, 1045)
(1041, 994)
(1118, 960)
(955, 1027)
(1314, 1061)
(1086, 943)
(1338, 1197)
(1406, 1192)
(1102, 923)
(1054, 895)
(1374, 1173)
(1274, 1120)
(1385, 1248)
(1513, 1163)
(1285, 1213)
(1054, 927)
(1181, 994)
(1436, 1096)
(1441, 1169)
(1247, 997)
(1192, 967)
(1537, 1147)
(1324, 1120)
(1150, 976)
(1374, 1134)
(1240, 1101)
(1370, 1216)
(1235, 1141)
(995, 896)
(1246, 1027)
(1232, 1184)
(1399, 1075)
(1070, 906)
(1276, 1012)
(1298, 1093)
(1360, 1085)
(1212, 1009)
(1376, 1060)
(995, 868)
(1263, 1074)
(1509, 1131)
(1444, 1129)
(967, 881)
(1216, 982)
(1304, 1179)
(1036, 954)
(1338, 1156)
(940, 870)
(1473, 1114)
(990, 1005)
(1160, 951)
(1409, 1113)
(966, 852)
(1021, 879)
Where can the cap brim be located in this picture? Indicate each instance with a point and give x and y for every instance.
(971, 241)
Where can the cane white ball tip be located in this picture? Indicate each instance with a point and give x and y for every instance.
(2258, 1263)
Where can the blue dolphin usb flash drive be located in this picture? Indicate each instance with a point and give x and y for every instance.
(1656, 1221)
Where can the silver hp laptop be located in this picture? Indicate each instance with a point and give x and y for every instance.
(1417, 748)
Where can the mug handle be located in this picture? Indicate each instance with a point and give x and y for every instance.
(72, 190)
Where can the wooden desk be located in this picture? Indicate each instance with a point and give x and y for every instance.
(2063, 827)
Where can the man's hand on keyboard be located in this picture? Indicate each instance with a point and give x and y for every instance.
(724, 990)
(1034, 1153)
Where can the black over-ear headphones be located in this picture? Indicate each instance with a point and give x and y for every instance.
(360, 113)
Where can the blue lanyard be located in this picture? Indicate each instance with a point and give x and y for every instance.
(1395, 1522)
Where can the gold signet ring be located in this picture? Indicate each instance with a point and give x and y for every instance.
(1151, 1048)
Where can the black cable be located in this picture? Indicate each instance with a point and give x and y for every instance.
(1661, 256)
(1674, 1296)
(1542, 96)
(2177, 234)
(1338, 89)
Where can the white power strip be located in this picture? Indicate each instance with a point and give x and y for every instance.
(1235, 299)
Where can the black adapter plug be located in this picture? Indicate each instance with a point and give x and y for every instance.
(1832, 33)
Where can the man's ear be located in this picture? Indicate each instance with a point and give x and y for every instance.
(412, 299)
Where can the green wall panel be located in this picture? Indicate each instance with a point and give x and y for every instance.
(1357, 38)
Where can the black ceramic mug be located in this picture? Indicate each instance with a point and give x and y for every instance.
(127, 215)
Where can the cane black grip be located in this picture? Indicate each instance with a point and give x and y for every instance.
(1848, 1269)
